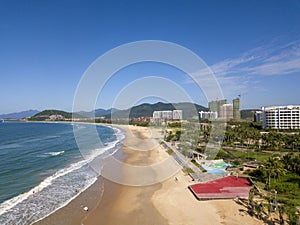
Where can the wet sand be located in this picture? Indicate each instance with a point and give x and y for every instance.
(132, 204)
(167, 202)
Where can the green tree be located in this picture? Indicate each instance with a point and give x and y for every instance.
(274, 168)
(281, 211)
(259, 210)
(292, 214)
(292, 162)
(251, 204)
(270, 208)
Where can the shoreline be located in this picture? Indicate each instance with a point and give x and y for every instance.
(70, 213)
(167, 202)
(131, 204)
(46, 185)
(109, 201)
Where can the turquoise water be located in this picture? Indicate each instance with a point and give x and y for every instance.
(218, 168)
(42, 169)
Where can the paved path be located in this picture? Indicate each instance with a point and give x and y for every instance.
(186, 163)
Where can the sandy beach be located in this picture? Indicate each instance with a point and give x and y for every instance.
(167, 202)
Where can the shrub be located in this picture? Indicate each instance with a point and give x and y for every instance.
(258, 173)
(187, 170)
(170, 151)
(284, 187)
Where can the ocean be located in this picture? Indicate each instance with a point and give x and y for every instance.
(42, 169)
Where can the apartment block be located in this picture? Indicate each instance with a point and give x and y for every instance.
(281, 117)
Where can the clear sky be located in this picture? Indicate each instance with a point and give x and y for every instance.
(253, 47)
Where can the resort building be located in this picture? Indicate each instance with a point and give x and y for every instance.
(208, 115)
(167, 115)
(177, 114)
(281, 117)
(56, 117)
(157, 114)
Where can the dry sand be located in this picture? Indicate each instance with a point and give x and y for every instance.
(233, 213)
(168, 202)
(175, 202)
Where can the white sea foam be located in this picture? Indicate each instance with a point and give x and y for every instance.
(48, 181)
(119, 133)
(68, 201)
(55, 153)
(55, 191)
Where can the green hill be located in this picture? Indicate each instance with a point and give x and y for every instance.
(190, 110)
(46, 115)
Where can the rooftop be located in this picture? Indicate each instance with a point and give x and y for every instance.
(223, 188)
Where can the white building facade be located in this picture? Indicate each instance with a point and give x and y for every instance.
(208, 115)
(281, 117)
(157, 114)
(177, 114)
(168, 115)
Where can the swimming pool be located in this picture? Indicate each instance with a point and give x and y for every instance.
(217, 168)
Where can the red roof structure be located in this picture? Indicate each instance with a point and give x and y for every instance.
(223, 188)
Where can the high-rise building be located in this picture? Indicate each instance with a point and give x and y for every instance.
(214, 106)
(236, 109)
(281, 117)
(226, 111)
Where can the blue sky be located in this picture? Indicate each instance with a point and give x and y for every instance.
(253, 47)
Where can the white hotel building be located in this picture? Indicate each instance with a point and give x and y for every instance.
(168, 115)
(208, 115)
(281, 117)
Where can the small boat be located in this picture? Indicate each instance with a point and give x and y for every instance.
(1, 120)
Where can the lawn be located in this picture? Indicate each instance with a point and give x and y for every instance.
(246, 156)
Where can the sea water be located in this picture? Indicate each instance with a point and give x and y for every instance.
(42, 169)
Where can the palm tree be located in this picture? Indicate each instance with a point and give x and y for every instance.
(259, 210)
(288, 160)
(292, 162)
(291, 211)
(279, 169)
(273, 167)
(261, 206)
(281, 211)
(251, 204)
(269, 207)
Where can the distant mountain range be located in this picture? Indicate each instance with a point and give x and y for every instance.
(19, 115)
(190, 110)
(97, 113)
